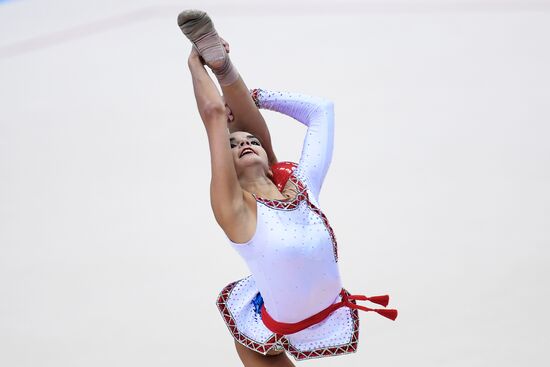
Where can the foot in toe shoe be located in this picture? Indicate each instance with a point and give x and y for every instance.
(197, 26)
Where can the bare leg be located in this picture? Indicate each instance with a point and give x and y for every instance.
(247, 117)
(254, 359)
(198, 27)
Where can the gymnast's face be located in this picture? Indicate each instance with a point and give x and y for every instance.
(247, 151)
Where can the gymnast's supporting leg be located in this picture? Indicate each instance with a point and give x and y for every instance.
(199, 28)
(254, 359)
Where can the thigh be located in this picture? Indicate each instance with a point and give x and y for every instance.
(251, 358)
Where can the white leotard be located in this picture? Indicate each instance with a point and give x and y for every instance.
(293, 255)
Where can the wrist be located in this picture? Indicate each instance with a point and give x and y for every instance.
(255, 94)
(194, 61)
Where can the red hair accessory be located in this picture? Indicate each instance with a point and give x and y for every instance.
(281, 173)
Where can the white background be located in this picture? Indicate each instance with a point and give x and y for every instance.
(438, 191)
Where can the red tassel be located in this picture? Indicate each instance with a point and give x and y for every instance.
(381, 300)
(390, 314)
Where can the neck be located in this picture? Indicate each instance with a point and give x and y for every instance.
(259, 184)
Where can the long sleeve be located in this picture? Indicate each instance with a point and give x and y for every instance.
(318, 115)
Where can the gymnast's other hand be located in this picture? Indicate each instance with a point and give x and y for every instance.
(230, 117)
(195, 57)
(225, 45)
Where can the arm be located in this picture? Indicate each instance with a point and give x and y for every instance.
(227, 197)
(318, 115)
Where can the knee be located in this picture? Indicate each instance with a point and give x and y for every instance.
(251, 358)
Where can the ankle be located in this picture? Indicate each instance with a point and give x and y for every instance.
(226, 73)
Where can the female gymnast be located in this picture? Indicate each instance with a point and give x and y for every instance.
(294, 300)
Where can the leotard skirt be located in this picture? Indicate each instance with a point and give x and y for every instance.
(240, 305)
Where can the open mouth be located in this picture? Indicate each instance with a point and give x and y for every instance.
(246, 151)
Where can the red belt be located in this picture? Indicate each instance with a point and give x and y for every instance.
(291, 328)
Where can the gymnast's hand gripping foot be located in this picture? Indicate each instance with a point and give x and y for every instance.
(293, 300)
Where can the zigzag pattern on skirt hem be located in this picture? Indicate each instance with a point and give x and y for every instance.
(276, 341)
